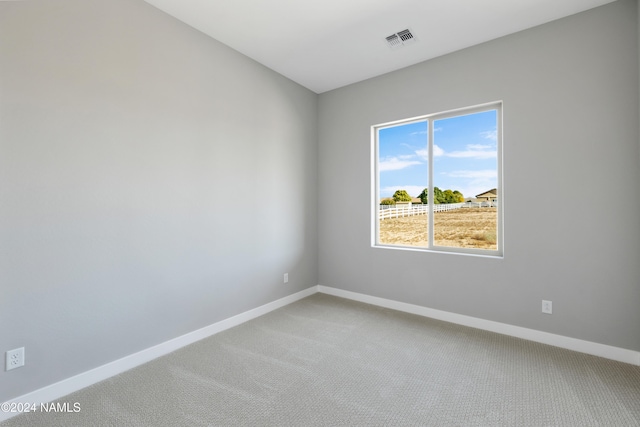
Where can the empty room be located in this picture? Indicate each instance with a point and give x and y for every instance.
(336, 213)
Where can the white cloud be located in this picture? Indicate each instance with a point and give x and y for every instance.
(490, 134)
(476, 151)
(413, 190)
(479, 147)
(479, 174)
(473, 151)
(395, 163)
(424, 154)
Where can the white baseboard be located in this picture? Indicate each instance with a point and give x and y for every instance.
(588, 347)
(85, 379)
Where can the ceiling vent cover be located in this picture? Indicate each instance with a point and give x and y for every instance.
(401, 38)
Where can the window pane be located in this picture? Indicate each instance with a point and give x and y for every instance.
(402, 179)
(465, 179)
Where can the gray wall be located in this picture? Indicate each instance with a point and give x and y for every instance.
(152, 182)
(571, 174)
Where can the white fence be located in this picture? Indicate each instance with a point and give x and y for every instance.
(402, 211)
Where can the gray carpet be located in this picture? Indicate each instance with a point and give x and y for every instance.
(326, 361)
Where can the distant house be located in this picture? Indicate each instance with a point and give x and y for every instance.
(490, 196)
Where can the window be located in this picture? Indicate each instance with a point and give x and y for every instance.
(438, 182)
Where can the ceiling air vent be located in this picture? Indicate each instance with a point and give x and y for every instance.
(394, 41)
(401, 38)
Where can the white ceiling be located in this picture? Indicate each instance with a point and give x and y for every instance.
(326, 44)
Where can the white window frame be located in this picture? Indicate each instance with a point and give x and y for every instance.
(430, 118)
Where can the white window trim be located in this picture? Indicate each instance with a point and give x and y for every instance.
(375, 187)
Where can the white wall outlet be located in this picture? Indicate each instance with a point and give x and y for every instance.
(14, 358)
(286, 277)
(547, 307)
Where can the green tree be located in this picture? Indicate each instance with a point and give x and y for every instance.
(401, 196)
(424, 196)
(387, 202)
(452, 196)
(439, 196)
(448, 196)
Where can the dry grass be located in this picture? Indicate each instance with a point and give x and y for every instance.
(461, 228)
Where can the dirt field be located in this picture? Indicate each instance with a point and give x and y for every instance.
(466, 228)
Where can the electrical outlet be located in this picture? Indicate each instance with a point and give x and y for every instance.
(547, 307)
(286, 277)
(14, 358)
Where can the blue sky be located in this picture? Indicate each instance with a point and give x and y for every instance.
(465, 155)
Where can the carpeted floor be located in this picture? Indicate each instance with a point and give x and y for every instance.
(326, 361)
